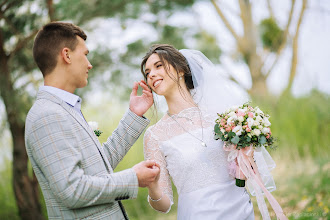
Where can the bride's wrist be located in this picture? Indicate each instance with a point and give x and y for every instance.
(156, 199)
(153, 187)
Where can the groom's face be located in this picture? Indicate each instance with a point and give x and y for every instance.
(80, 65)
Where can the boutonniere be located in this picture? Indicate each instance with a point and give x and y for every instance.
(95, 127)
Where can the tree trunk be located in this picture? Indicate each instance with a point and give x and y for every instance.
(248, 48)
(25, 188)
(259, 88)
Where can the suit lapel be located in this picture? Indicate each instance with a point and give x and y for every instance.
(80, 120)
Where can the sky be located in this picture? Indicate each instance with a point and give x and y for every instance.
(314, 50)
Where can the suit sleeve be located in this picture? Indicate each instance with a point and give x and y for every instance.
(52, 143)
(128, 131)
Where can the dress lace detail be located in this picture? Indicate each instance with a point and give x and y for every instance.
(181, 156)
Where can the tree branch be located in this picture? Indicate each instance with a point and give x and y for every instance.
(225, 21)
(51, 10)
(22, 43)
(294, 60)
(285, 36)
(3, 3)
(270, 9)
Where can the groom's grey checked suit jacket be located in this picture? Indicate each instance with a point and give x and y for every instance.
(74, 170)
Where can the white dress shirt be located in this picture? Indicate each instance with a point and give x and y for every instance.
(71, 99)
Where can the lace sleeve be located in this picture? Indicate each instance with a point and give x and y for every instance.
(152, 152)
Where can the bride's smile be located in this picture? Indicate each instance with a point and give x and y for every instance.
(162, 82)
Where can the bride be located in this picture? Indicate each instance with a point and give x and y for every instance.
(182, 141)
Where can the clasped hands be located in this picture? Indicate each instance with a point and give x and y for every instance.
(147, 172)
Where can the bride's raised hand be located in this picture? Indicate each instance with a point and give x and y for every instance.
(140, 104)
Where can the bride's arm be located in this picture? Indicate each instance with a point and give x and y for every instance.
(160, 192)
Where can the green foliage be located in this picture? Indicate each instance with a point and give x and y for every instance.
(271, 34)
(300, 124)
(208, 45)
(7, 200)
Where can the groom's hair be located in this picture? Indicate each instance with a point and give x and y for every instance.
(51, 39)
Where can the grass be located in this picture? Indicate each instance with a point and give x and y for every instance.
(302, 174)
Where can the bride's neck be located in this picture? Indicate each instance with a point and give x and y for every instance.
(180, 101)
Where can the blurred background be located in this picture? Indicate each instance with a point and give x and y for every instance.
(277, 50)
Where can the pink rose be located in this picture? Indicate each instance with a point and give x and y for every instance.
(240, 113)
(250, 114)
(268, 136)
(248, 129)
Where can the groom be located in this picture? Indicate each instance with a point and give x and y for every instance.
(74, 170)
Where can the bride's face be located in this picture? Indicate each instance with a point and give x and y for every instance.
(162, 82)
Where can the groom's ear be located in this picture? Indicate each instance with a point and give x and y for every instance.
(65, 55)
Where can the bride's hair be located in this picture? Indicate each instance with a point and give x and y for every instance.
(169, 55)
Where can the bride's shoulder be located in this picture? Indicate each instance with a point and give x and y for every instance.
(157, 128)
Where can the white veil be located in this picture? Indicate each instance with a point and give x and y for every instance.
(217, 93)
(213, 91)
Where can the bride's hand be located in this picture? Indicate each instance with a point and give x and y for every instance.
(154, 184)
(140, 104)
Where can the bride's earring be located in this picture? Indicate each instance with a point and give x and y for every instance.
(180, 77)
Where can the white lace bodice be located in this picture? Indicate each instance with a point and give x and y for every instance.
(180, 154)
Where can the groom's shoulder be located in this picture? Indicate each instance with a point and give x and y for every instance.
(42, 108)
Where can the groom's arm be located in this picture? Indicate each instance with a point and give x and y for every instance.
(128, 131)
(52, 144)
(131, 126)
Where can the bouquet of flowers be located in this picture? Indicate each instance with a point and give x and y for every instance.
(243, 128)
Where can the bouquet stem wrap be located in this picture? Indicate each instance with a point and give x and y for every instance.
(247, 169)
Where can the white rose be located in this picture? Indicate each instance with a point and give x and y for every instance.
(240, 118)
(222, 130)
(256, 123)
(265, 130)
(238, 130)
(241, 111)
(266, 122)
(94, 125)
(234, 108)
(257, 110)
(250, 122)
(256, 132)
(232, 114)
(229, 120)
(258, 119)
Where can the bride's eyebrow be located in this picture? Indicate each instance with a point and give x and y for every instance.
(155, 64)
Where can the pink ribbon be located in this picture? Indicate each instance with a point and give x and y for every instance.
(246, 168)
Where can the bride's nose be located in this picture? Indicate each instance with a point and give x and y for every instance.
(152, 74)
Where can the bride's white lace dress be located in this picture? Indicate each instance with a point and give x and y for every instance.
(200, 174)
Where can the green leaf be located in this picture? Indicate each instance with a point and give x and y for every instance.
(235, 140)
(262, 139)
(231, 134)
(217, 129)
(217, 136)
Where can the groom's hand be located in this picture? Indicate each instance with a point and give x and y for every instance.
(147, 172)
(140, 104)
